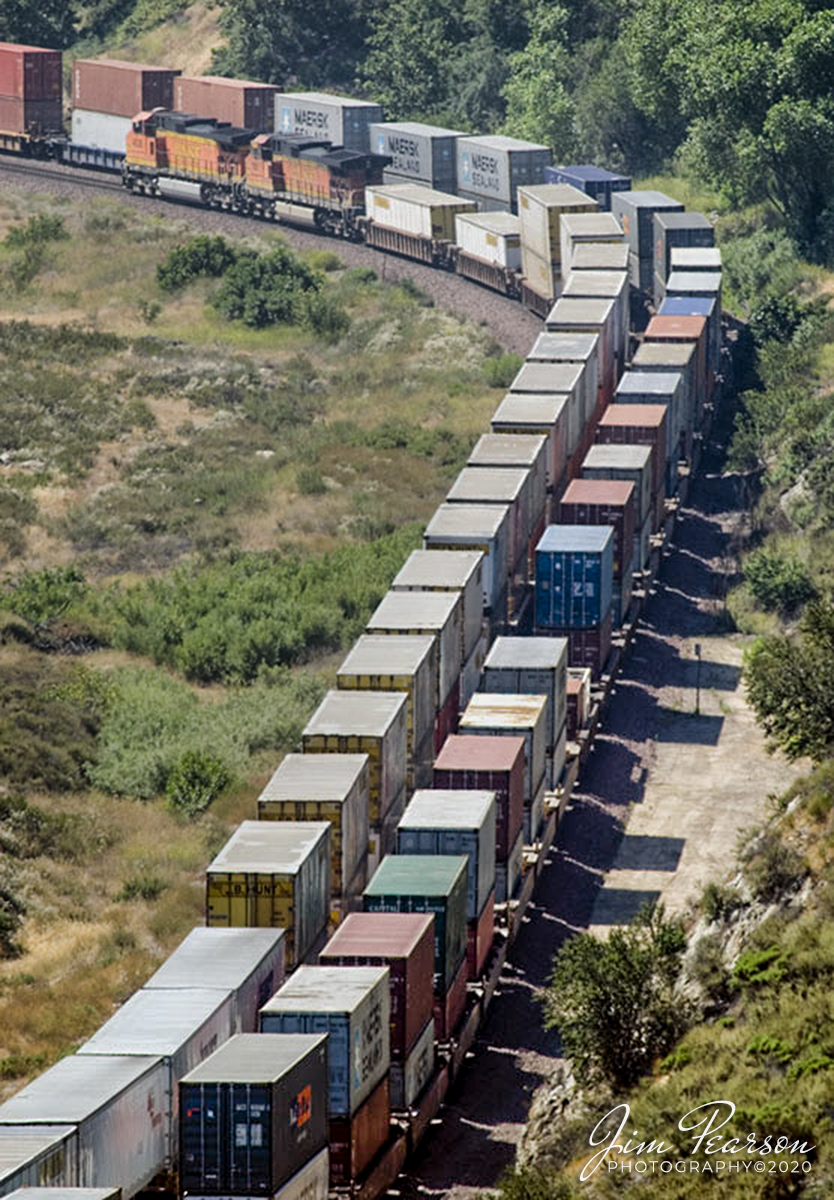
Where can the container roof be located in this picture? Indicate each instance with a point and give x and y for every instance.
(64, 1193)
(675, 325)
(417, 875)
(121, 65)
(325, 989)
(574, 311)
(270, 847)
(564, 347)
(500, 484)
(156, 1021)
(607, 455)
(467, 753)
(503, 223)
(592, 224)
(447, 809)
(635, 415)
(687, 306)
(328, 98)
(237, 84)
(655, 383)
(359, 714)
(551, 378)
(504, 710)
(685, 256)
(673, 353)
(438, 568)
(383, 935)
(217, 958)
(254, 1058)
(507, 449)
(75, 1088)
(590, 539)
(512, 653)
(683, 220)
(468, 520)
(532, 409)
(329, 777)
(418, 129)
(559, 195)
(597, 491)
(693, 281)
(648, 199)
(19, 1144)
(379, 654)
(596, 283)
(498, 141)
(593, 255)
(414, 193)
(592, 174)
(415, 610)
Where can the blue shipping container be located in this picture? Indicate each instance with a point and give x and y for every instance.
(595, 182)
(698, 306)
(574, 575)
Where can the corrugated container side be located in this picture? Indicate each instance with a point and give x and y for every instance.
(544, 277)
(30, 73)
(407, 1079)
(101, 130)
(418, 152)
(355, 1141)
(588, 647)
(419, 211)
(340, 119)
(540, 211)
(455, 833)
(121, 88)
(449, 571)
(495, 167)
(502, 674)
(312, 1182)
(32, 1156)
(35, 117)
(574, 576)
(592, 502)
(480, 937)
(637, 425)
(491, 713)
(501, 248)
(436, 614)
(508, 873)
(457, 527)
(539, 414)
(632, 462)
(243, 103)
(495, 764)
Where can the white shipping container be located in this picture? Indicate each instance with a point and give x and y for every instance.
(632, 463)
(540, 210)
(508, 874)
(577, 348)
(419, 211)
(342, 120)
(571, 315)
(477, 527)
(408, 1079)
(34, 1157)
(120, 1106)
(312, 1182)
(594, 228)
(561, 379)
(103, 131)
(695, 258)
(599, 256)
(454, 822)
(519, 715)
(501, 485)
(66, 1193)
(532, 665)
(449, 571)
(538, 414)
(491, 237)
(470, 679)
(438, 614)
(534, 815)
(517, 450)
(542, 275)
(606, 285)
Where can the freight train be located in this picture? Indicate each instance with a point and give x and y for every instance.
(263, 1058)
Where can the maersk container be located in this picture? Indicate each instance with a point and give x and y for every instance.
(596, 182)
(492, 237)
(509, 486)
(540, 211)
(419, 211)
(492, 167)
(120, 1107)
(493, 764)
(273, 874)
(484, 527)
(404, 943)
(428, 884)
(103, 131)
(352, 1006)
(418, 152)
(342, 120)
(658, 387)
(571, 315)
(249, 963)
(574, 576)
(673, 229)
(599, 256)
(535, 666)
(449, 571)
(123, 89)
(455, 822)
(372, 723)
(252, 1115)
(537, 414)
(672, 356)
(517, 715)
(433, 614)
(606, 285)
(557, 379)
(326, 787)
(603, 502)
(241, 102)
(635, 211)
(31, 1156)
(694, 258)
(577, 348)
(585, 228)
(630, 462)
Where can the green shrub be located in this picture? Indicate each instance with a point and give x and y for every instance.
(719, 901)
(12, 912)
(533, 1183)
(325, 260)
(43, 596)
(778, 584)
(501, 371)
(407, 285)
(708, 968)
(40, 228)
(145, 886)
(201, 257)
(262, 290)
(758, 968)
(310, 481)
(196, 780)
(767, 1045)
(774, 867)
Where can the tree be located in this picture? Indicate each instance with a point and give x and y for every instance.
(410, 48)
(51, 23)
(613, 1002)
(538, 104)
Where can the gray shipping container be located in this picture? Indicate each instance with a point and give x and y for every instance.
(633, 463)
(249, 963)
(476, 527)
(491, 167)
(535, 665)
(352, 1005)
(501, 485)
(454, 822)
(576, 348)
(599, 256)
(517, 715)
(672, 356)
(66, 1193)
(606, 285)
(678, 229)
(635, 211)
(342, 120)
(120, 1107)
(419, 153)
(449, 571)
(657, 387)
(34, 1157)
(517, 450)
(437, 614)
(538, 414)
(558, 378)
(695, 258)
(104, 131)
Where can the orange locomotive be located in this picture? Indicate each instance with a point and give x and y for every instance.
(275, 176)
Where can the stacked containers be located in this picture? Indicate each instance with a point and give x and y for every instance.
(579, 700)
(341, 120)
(534, 666)
(673, 229)
(273, 875)
(459, 822)
(509, 486)
(629, 462)
(107, 95)
(273, 1090)
(491, 168)
(530, 415)
(327, 787)
(491, 237)
(599, 256)
(407, 665)
(596, 182)
(558, 379)
(695, 258)
(686, 330)
(518, 715)
(29, 1155)
(528, 451)
(606, 285)
(30, 90)
(574, 587)
(661, 387)
(404, 943)
(638, 425)
(481, 527)
(540, 211)
(422, 154)
(372, 723)
(352, 1006)
(416, 210)
(587, 228)
(420, 883)
(635, 211)
(493, 764)
(577, 348)
(590, 316)
(671, 357)
(698, 294)
(607, 502)
(242, 103)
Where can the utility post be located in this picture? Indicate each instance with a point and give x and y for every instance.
(698, 680)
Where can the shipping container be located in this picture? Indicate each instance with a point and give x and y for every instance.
(630, 462)
(449, 1008)
(403, 942)
(490, 714)
(574, 576)
(622, 594)
(37, 1157)
(573, 348)
(352, 1006)
(695, 283)
(529, 451)
(672, 229)
(508, 873)
(538, 414)
(120, 1107)
(579, 700)
(454, 822)
(37, 118)
(570, 315)
(492, 167)
(419, 211)
(673, 356)
(273, 874)
(312, 1182)
(540, 274)
(540, 211)
(121, 89)
(428, 884)
(638, 425)
(30, 73)
(248, 963)
(341, 120)
(684, 330)
(492, 237)
(603, 502)
(356, 1141)
(326, 787)
(708, 307)
(470, 676)
(418, 152)
(596, 182)
(102, 131)
(635, 211)
(252, 1115)
(599, 256)
(587, 228)
(557, 379)
(508, 486)
(241, 102)
(659, 387)
(484, 527)
(535, 666)
(694, 258)
(408, 1079)
(480, 936)
(589, 647)
(606, 285)
(372, 723)
(433, 614)
(493, 764)
(458, 571)
(66, 1193)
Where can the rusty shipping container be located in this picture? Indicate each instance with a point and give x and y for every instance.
(630, 461)
(37, 118)
(588, 647)
(491, 714)
(638, 425)
(243, 103)
(603, 502)
(494, 764)
(356, 1141)
(106, 85)
(30, 73)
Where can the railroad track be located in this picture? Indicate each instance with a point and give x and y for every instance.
(29, 168)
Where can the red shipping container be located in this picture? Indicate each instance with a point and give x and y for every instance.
(603, 502)
(30, 72)
(355, 1141)
(239, 101)
(586, 647)
(491, 764)
(404, 942)
(447, 719)
(685, 329)
(35, 117)
(122, 89)
(480, 935)
(448, 1009)
(638, 425)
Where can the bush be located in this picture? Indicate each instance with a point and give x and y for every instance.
(501, 371)
(774, 867)
(777, 583)
(12, 912)
(325, 260)
(708, 968)
(196, 780)
(142, 887)
(407, 285)
(38, 229)
(757, 968)
(719, 901)
(263, 290)
(43, 596)
(202, 257)
(310, 482)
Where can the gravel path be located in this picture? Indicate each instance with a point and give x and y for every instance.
(512, 326)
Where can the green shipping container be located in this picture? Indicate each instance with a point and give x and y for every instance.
(427, 883)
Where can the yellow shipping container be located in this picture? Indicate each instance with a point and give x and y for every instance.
(540, 211)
